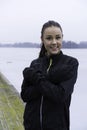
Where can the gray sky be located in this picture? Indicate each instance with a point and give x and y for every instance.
(22, 20)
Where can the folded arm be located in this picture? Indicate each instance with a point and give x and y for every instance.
(60, 92)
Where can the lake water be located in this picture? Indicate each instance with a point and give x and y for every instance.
(14, 60)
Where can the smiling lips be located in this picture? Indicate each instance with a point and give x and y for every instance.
(54, 48)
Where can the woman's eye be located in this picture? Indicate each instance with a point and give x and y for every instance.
(58, 37)
(48, 38)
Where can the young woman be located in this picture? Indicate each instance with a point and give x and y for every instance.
(48, 83)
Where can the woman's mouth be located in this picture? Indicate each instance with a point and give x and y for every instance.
(54, 47)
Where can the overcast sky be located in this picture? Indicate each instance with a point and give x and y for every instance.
(22, 20)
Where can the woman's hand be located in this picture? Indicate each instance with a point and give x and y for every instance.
(33, 75)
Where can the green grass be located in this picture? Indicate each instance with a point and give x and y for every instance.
(11, 107)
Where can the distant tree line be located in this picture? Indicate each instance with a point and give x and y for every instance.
(71, 44)
(65, 44)
(21, 45)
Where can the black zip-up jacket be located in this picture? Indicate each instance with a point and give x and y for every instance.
(55, 90)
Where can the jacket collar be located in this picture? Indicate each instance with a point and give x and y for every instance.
(55, 57)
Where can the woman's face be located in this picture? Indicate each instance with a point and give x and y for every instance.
(52, 40)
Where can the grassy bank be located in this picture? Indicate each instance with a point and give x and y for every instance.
(11, 107)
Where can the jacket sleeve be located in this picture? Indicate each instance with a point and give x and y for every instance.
(29, 91)
(61, 91)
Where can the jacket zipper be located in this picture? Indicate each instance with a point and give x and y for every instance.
(42, 96)
(49, 65)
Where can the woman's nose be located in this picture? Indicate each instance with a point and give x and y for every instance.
(54, 41)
